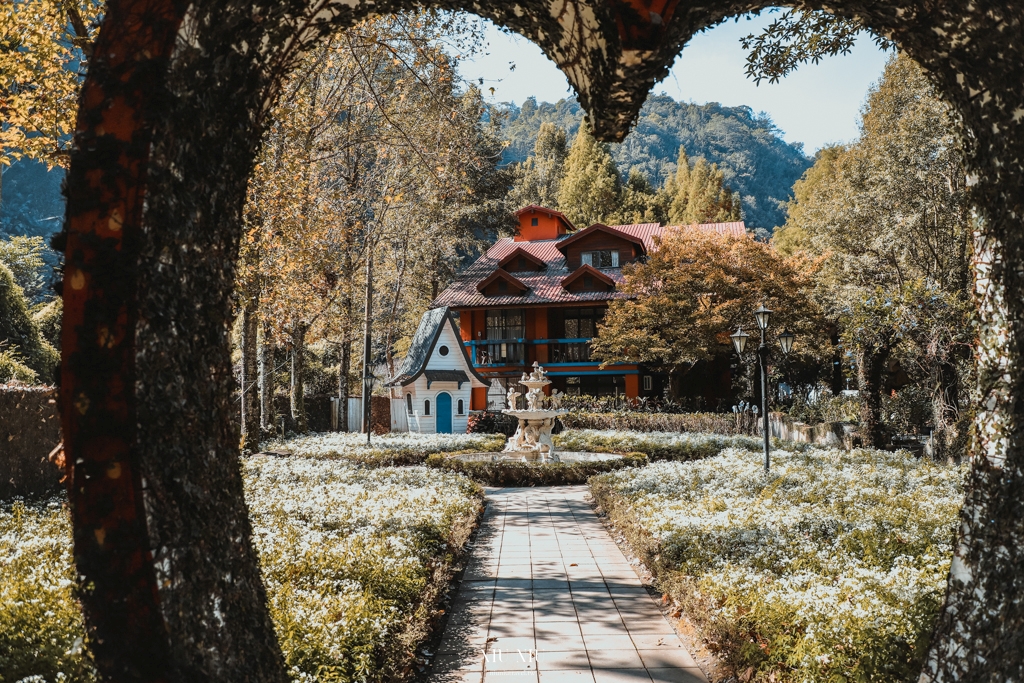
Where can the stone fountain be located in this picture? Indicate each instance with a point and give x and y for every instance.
(532, 440)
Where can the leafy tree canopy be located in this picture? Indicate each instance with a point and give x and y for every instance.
(798, 37)
(698, 287)
(889, 216)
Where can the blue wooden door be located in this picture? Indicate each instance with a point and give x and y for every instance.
(444, 413)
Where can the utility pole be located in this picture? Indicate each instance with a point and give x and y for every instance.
(367, 377)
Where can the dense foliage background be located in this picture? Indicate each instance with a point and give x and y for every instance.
(747, 147)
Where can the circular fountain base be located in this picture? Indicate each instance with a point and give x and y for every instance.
(536, 458)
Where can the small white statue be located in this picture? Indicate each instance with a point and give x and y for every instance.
(534, 397)
(555, 401)
(538, 374)
(512, 397)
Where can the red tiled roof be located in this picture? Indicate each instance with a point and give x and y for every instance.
(545, 287)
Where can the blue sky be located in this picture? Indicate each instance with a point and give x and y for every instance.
(818, 104)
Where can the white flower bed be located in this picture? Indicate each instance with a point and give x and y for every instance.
(349, 444)
(833, 569)
(347, 553)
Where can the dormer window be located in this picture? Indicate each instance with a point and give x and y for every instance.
(606, 258)
(502, 286)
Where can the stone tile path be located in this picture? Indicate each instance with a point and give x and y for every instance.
(548, 597)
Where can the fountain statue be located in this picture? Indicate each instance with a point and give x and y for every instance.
(532, 439)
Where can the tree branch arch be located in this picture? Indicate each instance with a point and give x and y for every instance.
(171, 117)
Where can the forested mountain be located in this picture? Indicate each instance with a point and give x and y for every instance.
(32, 203)
(747, 147)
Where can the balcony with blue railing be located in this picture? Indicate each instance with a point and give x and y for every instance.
(503, 352)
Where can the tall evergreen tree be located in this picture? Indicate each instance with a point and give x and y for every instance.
(698, 194)
(641, 203)
(538, 178)
(590, 190)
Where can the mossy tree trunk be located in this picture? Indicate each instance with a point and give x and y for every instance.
(871, 366)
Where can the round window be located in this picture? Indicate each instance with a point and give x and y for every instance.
(443, 350)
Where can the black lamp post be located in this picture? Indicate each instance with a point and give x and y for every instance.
(739, 340)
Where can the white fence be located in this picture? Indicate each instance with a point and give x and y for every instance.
(399, 416)
(355, 414)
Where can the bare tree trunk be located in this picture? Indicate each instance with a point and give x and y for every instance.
(249, 394)
(945, 409)
(298, 398)
(870, 368)
(836, 379)
(346, 366)
(367, 339)
(266, 360)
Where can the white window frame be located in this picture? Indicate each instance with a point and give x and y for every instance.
(587, 258)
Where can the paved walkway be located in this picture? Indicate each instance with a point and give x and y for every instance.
(548, 597)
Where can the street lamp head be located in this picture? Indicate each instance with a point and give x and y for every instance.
(786, 341)
(739, 340)
(762, 314)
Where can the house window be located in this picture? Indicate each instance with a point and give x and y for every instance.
(533, 221)
(504, 325)
(588, 282)
(408, 403)
(461, 407)
(502, 286)
(648, 382)
(606, 258)
(581, 323)
(426, 407)
(522, 264)
(443, 350)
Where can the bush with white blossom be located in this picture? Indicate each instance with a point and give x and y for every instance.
(352, 557)
(395, 448)
(832, 569)
(41, 625)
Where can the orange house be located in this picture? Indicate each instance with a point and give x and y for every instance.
(540, 295)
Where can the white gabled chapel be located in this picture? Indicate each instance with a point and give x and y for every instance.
(432, 391)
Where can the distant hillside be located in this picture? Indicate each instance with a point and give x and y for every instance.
(748, 148)
(32, 203)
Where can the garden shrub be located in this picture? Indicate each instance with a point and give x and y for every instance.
(13, 369)
(638, 421)
(832, 569)
(657, 445)
(41, 628)
(511, 473)
(395, 448)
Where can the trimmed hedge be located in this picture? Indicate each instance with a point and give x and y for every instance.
(511, 473)
(657, 445)
(719, 423)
